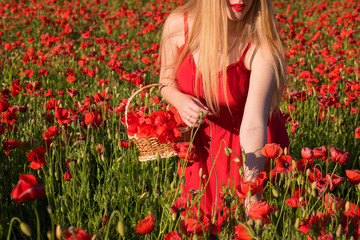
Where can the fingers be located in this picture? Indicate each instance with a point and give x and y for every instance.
(193, 112)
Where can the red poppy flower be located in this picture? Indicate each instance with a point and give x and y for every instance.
(27, 189)
(321, 152)
(185, 150)
(284, 164)
(307, 153)
(179, 205)
(339, 156)
(272, 150)
(146, 225)
(124, 143)
(255, 187)
(292, 202)
(51, 104)
(353, 176)
(4, 105)
(37, 157)
(261, 211)
(93, 118)
(79, 233)
(357, 132)
(190, 226)
(173, 236)
(241, 233)
(72, 92)
(15, 87)
(52, 131)
(11, 144)
(67, 175)
(62, 115)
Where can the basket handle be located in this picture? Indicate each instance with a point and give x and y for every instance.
(139, 90)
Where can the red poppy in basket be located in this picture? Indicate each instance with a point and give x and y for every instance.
(186, 151)
(27, 189)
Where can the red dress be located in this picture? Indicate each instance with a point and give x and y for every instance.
(220, 132)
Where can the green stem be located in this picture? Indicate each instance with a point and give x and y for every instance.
(52, 226)
(11, 223)
(37, 222)
(108, 224)
(325, 188)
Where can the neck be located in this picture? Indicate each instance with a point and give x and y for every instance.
(231, 28)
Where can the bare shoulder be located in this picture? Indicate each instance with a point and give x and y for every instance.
(174, 28)
(259, 58)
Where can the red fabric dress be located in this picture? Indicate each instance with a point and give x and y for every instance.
(220, 132)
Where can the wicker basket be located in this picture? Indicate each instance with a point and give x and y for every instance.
(150, 148)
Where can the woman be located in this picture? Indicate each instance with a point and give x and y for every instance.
(202, 40)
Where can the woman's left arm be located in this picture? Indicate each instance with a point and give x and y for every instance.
(253, 132)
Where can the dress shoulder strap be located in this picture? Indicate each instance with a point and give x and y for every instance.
(186, 27)
(244, 52)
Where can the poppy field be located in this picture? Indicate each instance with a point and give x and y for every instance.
(69, 171)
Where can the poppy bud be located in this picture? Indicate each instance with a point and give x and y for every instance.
(49, 209)
(347, 206)
(174, 216)
(201, 115)
(301, 199)
(48, 234)
(309, 191)
(236, 160)
(285, 151)
(358, 186)
(313, 193)
(182, 180)
(195, 237)
(297, 223)
(120, 228)
(249, 194)
(158, 157)
(308, 172)
(227, 151)
(313, 185)
(243, 155)
(303, 212)
(351, 238)
(25, 229)
(275, 193)
(94, 237)
(142, 195)
(200, 172)
(200, 121)
(58, 232)
(333, 206)
(204, 176)
(198, 212)
(339, 230)
(293, 163)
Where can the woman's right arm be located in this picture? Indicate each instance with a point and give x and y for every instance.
(188, 106)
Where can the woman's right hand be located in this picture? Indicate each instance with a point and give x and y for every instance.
(189, 109)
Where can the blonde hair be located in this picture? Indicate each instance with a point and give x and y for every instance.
(210, 23)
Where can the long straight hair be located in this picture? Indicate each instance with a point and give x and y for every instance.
(210, 25)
